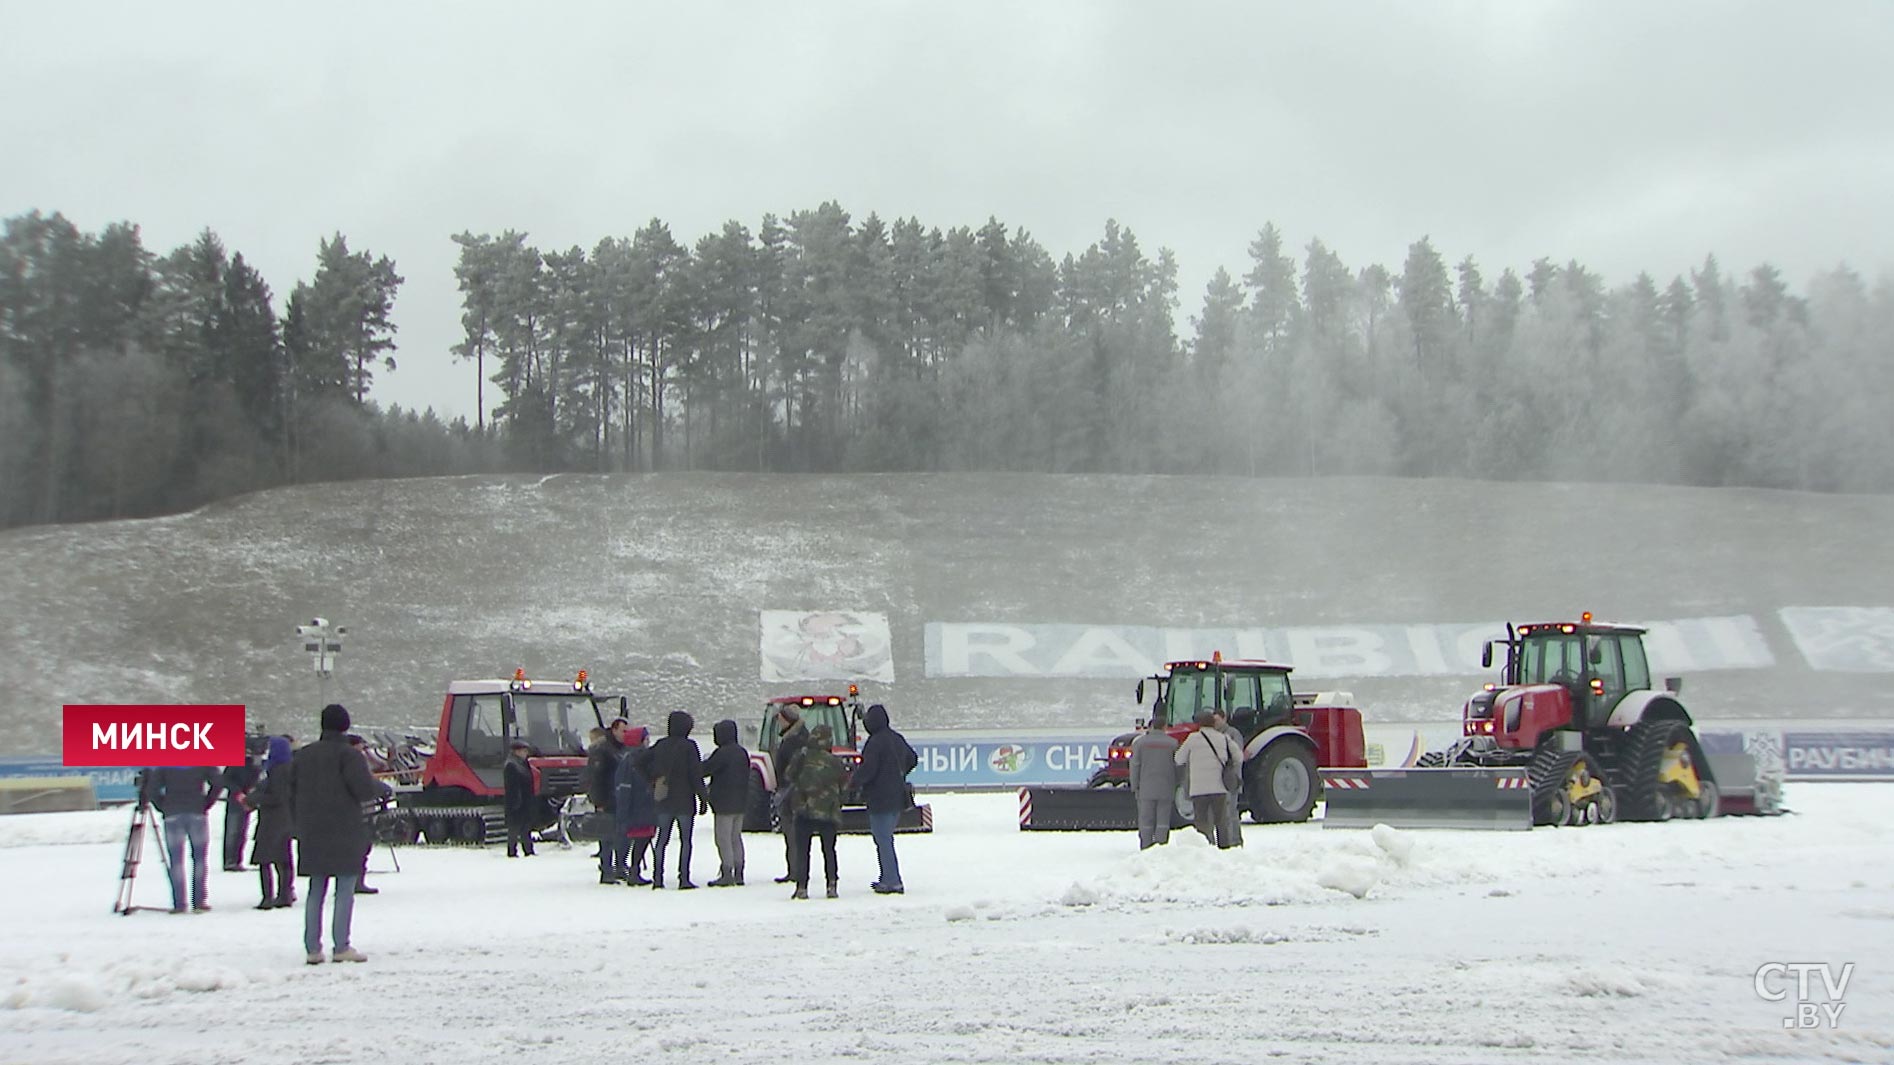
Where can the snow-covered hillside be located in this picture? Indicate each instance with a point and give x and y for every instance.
(656, 584)
(1634, 943)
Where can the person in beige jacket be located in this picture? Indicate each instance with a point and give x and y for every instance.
(1203, 754)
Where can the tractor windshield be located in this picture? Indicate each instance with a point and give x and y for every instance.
(555, 723)
(835, 717)
(1555, 658)
(1251, 698)
(1189, 694)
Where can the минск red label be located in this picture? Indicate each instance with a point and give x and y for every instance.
(153, 734)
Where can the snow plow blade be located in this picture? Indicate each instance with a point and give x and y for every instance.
(1743, 789)
(1459, 797)
(1069, 809)
(913, 819)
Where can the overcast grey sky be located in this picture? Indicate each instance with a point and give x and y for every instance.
(1626, 135)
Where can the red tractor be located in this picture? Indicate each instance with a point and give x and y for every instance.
(1573, 733)
(461, 792)
(1286, 737)
(843, 716)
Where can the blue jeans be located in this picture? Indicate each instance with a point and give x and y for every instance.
(344, 913)
(178, 830)
(613, 851)
(683, 822)
(881, 826)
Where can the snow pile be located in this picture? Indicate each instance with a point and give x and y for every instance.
(1286, 864)
(64, 985)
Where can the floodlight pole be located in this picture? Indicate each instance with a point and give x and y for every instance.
(324, 644)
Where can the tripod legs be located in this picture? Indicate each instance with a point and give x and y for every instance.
(142, 822)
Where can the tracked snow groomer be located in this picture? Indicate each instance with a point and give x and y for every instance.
(1287, 735)
(461, 792)
(1574, 733)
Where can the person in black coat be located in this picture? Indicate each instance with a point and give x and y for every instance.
(882, 779)
(677, 782)
(329, 782)
(270, 854)
(517, 777)
(728, 772)
(238, 780)
(791, 737)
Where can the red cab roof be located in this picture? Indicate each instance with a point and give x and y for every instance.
(1255, 664)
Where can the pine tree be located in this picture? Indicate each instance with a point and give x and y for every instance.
(1272, 284)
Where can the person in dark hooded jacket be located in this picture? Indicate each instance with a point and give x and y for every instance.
(882, 779)
(677, 782)
(275, 869)
(792, 737)
(728, 772)
(634, 811)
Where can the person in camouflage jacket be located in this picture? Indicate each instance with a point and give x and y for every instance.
(816, 776)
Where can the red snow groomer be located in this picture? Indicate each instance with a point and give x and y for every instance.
(1574, 733)
(1286, 737)
(461, 795)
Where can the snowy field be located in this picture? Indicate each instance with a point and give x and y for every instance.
(1630, 943)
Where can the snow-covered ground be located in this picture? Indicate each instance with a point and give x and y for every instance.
(1631, 943)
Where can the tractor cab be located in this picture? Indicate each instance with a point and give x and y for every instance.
(843, 716)
(1566, 675)
(481, 719)
(1254, 695)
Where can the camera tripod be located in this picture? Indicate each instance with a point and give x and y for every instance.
(142, 820)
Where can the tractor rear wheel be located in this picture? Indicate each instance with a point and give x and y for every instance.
(1431, 760)
(1282, 786)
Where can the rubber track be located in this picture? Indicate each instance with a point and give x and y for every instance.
(489, 816)
(1548, 772)
(1646, 745)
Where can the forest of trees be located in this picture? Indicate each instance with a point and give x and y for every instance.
(133, 383)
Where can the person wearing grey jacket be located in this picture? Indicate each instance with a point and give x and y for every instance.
(1232, 780)
(1206, 756)
(1153, 782)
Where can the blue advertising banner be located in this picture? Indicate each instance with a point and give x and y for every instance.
(108, 785)
(1839, 755)
(995, 762)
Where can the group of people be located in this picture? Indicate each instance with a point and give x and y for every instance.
(1211, 762)
(317, 797)
(655, 791)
